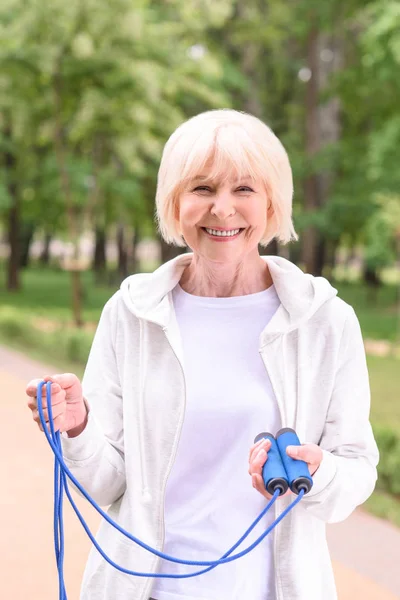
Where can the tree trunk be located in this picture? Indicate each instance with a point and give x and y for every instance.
(45, 254)
(99, 263)
(373, 281)
(13, 275)
(122, 252)
(27, 232)
(249, 66)
(77, 295)
(330, 258)
(133, 260)
(310, 236)
(295, 253)
(325, 57)
(96, 209)
(270, 250)
(169, 252)
(320, 255)
(72, 217)
(13, 238)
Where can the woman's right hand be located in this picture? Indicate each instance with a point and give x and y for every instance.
(257, 458)
(258, 455)
(67, 403)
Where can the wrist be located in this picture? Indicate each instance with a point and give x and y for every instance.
(75, 431)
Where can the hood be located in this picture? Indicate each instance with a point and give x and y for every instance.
(301, 295)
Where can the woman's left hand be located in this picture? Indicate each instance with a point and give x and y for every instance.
(310, 453)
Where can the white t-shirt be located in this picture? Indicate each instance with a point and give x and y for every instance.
(210, 501)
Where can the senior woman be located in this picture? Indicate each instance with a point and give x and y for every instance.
(191, 362)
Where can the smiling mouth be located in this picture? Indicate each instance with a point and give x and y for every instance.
(223, 233)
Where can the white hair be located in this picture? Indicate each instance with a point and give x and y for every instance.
(225, 142)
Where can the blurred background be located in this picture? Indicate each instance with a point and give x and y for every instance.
(89, 93)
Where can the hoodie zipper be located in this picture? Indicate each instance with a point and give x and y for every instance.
(283, 422)
(174, 451)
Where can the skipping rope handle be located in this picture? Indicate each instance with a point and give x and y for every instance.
(280, 471)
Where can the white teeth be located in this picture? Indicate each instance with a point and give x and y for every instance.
(222, 233)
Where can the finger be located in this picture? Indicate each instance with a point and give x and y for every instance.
(31, 391)
(32, 403)
(57, 400)
(56, 411)
(256, 445)
(258, 484)
(31, 388)
(265, 444)
(260, 442)
(58, 424)
(310, 453)
(259, 461)
(65, 380)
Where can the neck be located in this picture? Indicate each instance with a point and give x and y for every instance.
(223, 279)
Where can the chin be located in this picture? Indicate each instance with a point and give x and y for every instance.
(223, 255)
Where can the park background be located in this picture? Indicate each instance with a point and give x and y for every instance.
(89, 93)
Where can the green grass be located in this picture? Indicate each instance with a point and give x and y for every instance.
(46, 293)
(385, 506)
(384, 374)
(377, 312)
(50, 357)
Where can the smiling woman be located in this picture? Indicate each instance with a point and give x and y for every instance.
(224, 187)
(191, 362)
(223, 145)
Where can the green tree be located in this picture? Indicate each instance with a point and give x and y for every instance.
(104, 83)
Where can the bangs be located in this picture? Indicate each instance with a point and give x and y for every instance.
(229, 154)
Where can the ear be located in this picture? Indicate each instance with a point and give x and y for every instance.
(270, 209)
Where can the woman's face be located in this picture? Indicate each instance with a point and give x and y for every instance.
(223, 220)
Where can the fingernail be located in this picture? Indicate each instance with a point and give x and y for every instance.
(293, 450)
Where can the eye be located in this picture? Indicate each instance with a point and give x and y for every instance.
(244, 188)
(202, 188)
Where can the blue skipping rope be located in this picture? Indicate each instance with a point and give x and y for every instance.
(61, 472)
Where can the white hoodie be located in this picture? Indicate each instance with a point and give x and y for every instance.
(135, 386)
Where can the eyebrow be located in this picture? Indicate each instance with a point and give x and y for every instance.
(205, 177)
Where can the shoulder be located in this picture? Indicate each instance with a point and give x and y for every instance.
(112, 306)
(116, 309)
(336, 309)
(336, 317)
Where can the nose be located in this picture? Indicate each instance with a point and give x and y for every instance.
(223, 205)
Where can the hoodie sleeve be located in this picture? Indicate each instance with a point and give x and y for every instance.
(347, 474)
(96, 456)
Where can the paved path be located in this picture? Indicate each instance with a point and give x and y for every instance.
(365, 550)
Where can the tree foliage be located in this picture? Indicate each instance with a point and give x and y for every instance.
(89, 92)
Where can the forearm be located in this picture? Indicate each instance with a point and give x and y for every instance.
(340, 485)
(96, 463)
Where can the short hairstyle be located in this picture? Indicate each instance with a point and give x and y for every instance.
(224, 143)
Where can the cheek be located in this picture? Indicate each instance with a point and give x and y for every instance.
(256, 214)
(190, 212)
